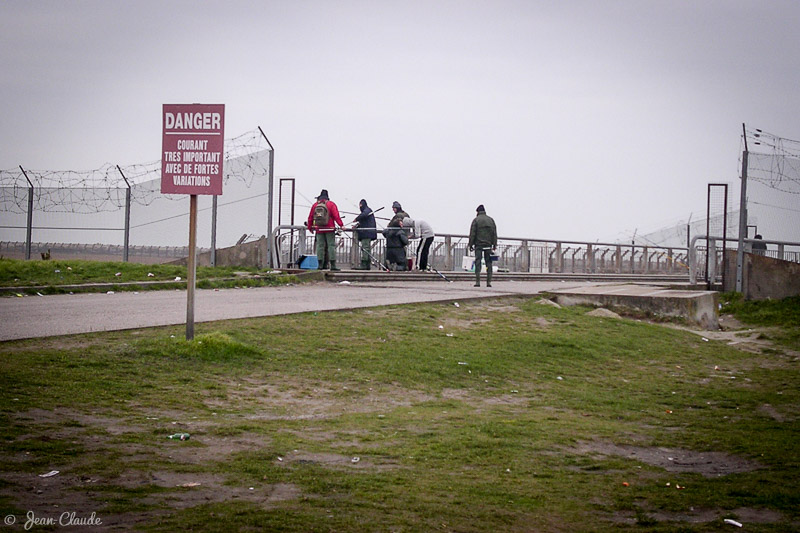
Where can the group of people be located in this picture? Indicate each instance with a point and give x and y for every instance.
(324, 218)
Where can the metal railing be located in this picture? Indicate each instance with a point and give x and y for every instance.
(708, 262)
(514, 254)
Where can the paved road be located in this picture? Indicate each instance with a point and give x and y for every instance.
(44, 316)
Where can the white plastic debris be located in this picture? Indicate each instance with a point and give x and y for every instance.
(49, 474)
(732, 522)
(448, 334)
(150, 275)
(441, 327)
(355, 460)
(178, 278)
(704, 339)
(462, 363)
(118, 274)
(456, 304)
(559, 378)
(57, 271)
(110, 292)
(345, 282)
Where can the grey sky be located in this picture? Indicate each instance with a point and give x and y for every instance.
(572, 119)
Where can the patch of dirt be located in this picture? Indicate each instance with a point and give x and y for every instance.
(770, 411)
(334, 460)
(451, 323)
(298, 401)
(495, 306)
(742, 337)
(604, 313)
(743, 515)
(676, 460)
(77, 489)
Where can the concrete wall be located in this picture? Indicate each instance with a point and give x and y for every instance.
(764, 277)
(249, 254)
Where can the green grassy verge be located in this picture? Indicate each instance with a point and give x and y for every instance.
(783, 316)
(498, 415)
(50, 277)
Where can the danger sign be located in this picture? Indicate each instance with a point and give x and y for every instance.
(192, 148)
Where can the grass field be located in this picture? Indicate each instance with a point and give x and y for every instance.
(495, 415)
(57, 277)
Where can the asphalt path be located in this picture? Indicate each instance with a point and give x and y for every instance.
(66, 314)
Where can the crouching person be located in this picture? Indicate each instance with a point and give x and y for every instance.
(396, 242)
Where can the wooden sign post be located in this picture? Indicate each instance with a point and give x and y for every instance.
(191, 163)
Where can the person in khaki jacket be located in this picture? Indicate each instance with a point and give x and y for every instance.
(483, 240)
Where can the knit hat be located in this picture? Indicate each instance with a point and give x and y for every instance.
(481, 208)
(407, 222)
(323, 195)
(396, 205)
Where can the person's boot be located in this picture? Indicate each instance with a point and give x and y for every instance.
(489, 276)
(333, 266)
(320, 264)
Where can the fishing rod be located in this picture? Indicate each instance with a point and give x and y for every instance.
(373, 212)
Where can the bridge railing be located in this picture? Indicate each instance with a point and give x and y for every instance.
(448, 252)
(707, 255)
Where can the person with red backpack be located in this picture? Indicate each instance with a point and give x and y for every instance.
(322, 220)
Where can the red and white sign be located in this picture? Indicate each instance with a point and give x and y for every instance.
(192, 148)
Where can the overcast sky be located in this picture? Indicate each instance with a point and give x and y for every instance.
(580, 120)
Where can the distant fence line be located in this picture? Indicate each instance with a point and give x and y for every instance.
(99, 252)
(124, 204)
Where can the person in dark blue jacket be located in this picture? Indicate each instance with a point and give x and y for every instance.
(365, 233)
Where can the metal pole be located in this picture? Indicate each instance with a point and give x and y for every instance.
(708, 234)
(29, 232)
(725, 237)
(191, 267)
(214, 230)
(742, 216)
(126, 241)
(269, 205)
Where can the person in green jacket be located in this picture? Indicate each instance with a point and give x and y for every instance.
(483, 240)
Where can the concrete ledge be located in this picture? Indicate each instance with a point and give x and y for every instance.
(698, 307)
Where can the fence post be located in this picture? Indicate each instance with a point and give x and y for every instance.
(588, 264)
(526, 257)
(711, 262)
(270, 244)
(126, 238)
(557, 266)
(448, 253)
(213, 253)
(29, 232)
(619, 259)
(645, 260)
